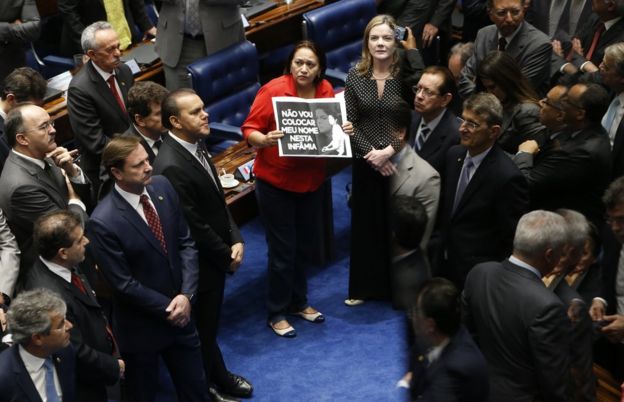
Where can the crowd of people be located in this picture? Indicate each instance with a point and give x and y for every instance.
(486, 200)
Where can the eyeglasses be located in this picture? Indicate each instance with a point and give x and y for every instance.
(44, 127)
(502, 13)
(614, 219)
(427, 93)
(566, 102)
(471, 125)
(545, 101)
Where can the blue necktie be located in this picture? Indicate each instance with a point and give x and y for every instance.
(50, 388)
(609, 117)
(422, 136)
(464, 179)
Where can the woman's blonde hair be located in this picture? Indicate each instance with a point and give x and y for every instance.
(366, 61)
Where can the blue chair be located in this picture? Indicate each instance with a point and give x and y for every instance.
(338, 29)
(227, 82)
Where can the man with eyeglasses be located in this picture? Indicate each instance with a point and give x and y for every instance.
(97, 97)
(41, 365)
(38, 177)
(434, 128)
(612, 76)
(484, 194)
(529, 46)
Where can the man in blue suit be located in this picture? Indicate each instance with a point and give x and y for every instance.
(40, 367)
(142, 243)
(446, 363)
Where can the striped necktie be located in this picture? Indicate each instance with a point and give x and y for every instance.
(422, 136)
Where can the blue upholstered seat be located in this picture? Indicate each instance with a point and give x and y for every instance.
(227, 82)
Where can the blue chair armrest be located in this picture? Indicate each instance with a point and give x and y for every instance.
(336, 77)
(225, 131)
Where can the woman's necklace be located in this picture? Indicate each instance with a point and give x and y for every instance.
(381, 78)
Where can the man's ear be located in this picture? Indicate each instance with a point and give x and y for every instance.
(116, 173)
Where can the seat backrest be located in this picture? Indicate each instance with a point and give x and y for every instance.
(338, 29)
(227, 82)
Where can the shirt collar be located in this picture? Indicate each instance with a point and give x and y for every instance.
(524, 265)
(133, 199)
(37, 162)
(435, 121)
(59, 270)
(396, 158)
(33, 363)
(102, 73)
(610, 23)
(436, 351)
(150, 142)
(513, 35)
(192, 148)
(477, 159)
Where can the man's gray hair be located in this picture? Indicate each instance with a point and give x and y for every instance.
(465, 50)
(538, 231)
(614, 195)
(30, 314)
(616, 53)
(87, 40)
(487, 106)
(578, 227)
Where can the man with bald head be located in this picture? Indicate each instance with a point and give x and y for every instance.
(38, 176)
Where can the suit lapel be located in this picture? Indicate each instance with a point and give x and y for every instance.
(22, 378)
(57, 189)
(477, 179)
(105, 90)
(404, 168)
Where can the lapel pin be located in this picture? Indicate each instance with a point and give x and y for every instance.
(160, 198)
(458, 159)
(58, 359)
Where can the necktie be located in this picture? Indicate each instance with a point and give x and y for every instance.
(594, 44)
(113, 88)
(502, 44)
(193, 25)
(157, 144)
(422, 136)
(77, 282)
(464, 179)
(116, 16)
(610, 118)
(50, 387)
(153, 221)
(201, 155)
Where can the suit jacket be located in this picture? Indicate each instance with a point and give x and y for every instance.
(520, 123)
(4, 145)
(144, 279)
(609, 269)
(132, 132)
(416, 178)
(581, 355)
(459, 374)
(445, 135)
(530, 48)
(588, 284)
(221, 27)
(571, 162)
(78, 14)
(16, 384)
(408, 274)
(522, 330)
(28, 193)
(14, 37)
(95, 115)
(483, 225)
(9, 258)
(212, 226)
(617, 153)
(97, 367)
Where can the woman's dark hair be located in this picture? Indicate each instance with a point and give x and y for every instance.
(504, 71)
(320, 55)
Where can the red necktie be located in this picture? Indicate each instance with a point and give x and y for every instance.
(113, 88)
(77, 282)
(594, 44)
(153, 221)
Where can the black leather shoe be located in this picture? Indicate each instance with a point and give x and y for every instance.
(237, 386)
(216, 396)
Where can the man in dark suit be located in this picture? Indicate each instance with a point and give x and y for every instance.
(435, 128)
(445, 362)
(183, 160)
(483, 194)
(143, 246)
(529, 46)
(576, 156)
(520, 326)
(41, 364)
(23, 85)
(32, 180)
(77, 14)
(61, 243)
(612, 76)
(97, 97)
(586, 50)
(19, 24)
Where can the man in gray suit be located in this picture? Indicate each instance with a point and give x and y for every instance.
(520, 325)
(19, 24)
(529, 46)
(32, 180)
(414, 177)
(192, 29)
(9, 260)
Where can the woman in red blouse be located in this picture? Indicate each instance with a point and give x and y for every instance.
(287, 188)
